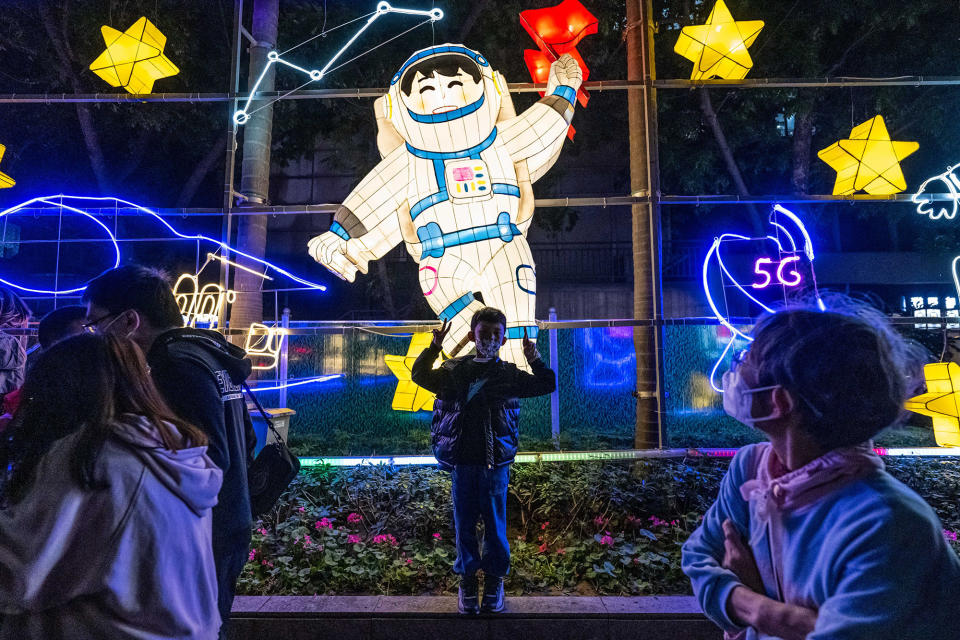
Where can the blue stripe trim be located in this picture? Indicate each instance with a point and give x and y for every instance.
(516, 333)
(426, 53)
(338, 229)
(428, 202)
(566, 92)
(456, 306)
(520, 286)
(506, 189)
(446, 116)
(466, 153)
(434, 242)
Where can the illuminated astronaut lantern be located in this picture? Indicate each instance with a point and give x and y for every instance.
(455, 186)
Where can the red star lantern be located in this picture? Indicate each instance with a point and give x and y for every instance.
(557, 30)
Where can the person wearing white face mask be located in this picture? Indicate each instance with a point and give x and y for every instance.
(474, 431)
(810, 537)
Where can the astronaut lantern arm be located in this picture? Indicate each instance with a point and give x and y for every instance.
(537, 134)
(365, 227)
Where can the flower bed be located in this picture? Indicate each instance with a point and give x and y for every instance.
(580, 528)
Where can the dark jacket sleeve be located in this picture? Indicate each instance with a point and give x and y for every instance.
(539, 383)
(423, 373)
(193, 395)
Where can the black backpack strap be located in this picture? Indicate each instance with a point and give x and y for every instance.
(263, 412)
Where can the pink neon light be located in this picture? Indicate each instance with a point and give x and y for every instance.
(436, 279)
(758, 268)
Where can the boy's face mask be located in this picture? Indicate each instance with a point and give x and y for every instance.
(738, 399)
(488, 348)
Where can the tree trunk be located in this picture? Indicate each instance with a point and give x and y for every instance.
(91, 140)
(706, 106)
(255, 178)
(641, 104)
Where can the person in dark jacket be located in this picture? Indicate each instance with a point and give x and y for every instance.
(475, 435)
(14, 314)
(201, 377)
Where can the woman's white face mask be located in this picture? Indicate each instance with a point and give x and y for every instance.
(738, 400)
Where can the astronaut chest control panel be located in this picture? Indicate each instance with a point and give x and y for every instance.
(467, 180)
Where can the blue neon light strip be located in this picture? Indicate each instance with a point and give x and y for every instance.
(450, 155)
(567, 93)
(446, 116)
(60, 292)
(456, 307)
(297, 383)
(56, 201)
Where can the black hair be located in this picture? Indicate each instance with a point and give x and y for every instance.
(142, 289)
(55, 326)
(14, 312)
(488, 314)
(447, 65)
(849, 370)
(84, 385)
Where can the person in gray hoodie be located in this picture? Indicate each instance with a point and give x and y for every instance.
(14, 314)
(106, 518)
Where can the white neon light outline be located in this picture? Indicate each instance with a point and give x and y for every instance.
(716, 365)
(793, 245)
(298, 383)
(706, 287)
(241, 116)
(183, 236)
(213, 256)
(57, 292)
(723, 267)
(953, 186)
(807, 243)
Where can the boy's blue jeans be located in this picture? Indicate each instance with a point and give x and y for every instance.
(480, 493)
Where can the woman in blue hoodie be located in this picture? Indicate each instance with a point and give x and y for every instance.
(105, 530)
(810, 537)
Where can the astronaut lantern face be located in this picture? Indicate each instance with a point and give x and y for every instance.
(444, 99)
(452, 82)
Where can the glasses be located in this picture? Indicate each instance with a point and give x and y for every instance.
(738, 359)
(91, 327)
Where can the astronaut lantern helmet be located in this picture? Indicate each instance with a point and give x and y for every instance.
(445, 98)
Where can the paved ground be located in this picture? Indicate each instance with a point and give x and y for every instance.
(425, 617)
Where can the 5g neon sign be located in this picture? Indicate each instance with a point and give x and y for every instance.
(764, 267)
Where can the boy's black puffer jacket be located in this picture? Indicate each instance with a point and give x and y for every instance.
(500, 416)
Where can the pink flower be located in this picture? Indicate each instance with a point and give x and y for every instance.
(306, 540)
(262, 531)
(657, 522)
(544, 525)
(353, 539)
(385, 538)
(323, 523)
(301, 509)
(950, 535)
(561, 551)
(600, 521)
(542, 547)
(607, 541)
(409, 560)
(354, 518)
(253, 554)
(437, 536)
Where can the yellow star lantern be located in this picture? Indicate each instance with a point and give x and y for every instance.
(941, 402)
(5, 181)
(410, 396)
(869, 160)
(134, 58)
(718, 48)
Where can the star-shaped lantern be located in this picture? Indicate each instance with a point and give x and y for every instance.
(557, 30)
(5, 181)
(134, 58)
(941, 402)
(718, 49)
(409, 396)
(869, 160)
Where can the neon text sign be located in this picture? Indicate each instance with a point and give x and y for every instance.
(263, 344)
(202, 304)
(762, 268)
